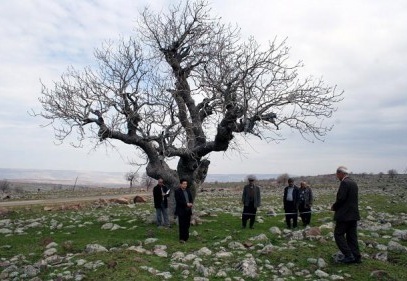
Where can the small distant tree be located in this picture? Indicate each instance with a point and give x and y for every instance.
(392, 173)
(131, 177)
(282, 179)
(18, 190)
(4, 186)
(147, 181)
(381, 175)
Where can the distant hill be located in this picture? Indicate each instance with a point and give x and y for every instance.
(97, 177)
(237, 177)
(64, 176)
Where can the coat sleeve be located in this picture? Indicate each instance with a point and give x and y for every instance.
(178, 200)
(191, 199)
(258, 196)
(311, 197)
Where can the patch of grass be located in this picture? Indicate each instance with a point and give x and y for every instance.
(73, 230)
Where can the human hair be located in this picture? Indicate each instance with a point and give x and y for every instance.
(182, 180)
(342, 169)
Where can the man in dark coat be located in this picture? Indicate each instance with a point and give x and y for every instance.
(160, 194)
(346, 215)
(183, 209)
(290, 202)
(251, 199)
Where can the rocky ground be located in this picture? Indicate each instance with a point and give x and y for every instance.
(383, 233)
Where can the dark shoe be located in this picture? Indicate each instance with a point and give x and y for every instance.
(358, 259)
(347, 260)
(251, 227)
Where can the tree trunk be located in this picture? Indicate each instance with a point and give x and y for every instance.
(194, 171)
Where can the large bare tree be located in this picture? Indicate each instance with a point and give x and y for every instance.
(184, 86)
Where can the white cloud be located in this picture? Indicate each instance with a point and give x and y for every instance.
(360, 46)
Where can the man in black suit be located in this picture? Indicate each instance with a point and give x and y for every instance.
(346, 216)
(290, 202)
(183, 209)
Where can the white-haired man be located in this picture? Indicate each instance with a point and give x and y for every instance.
(346, 215)
(251, 199)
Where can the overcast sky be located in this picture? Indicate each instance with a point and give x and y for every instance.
(360, 46)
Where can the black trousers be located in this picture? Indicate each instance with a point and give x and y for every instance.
(249, 213)
(346, 238)
(291, 214)
(184, 222)
(305, 214)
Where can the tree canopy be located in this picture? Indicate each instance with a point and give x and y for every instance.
(183, 86)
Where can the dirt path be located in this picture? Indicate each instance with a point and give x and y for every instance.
(54, 201)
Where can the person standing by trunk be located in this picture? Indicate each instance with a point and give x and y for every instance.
(346, 208)
(160, 194)
(183, 209)
(251, 199)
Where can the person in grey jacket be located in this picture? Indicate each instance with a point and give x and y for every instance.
(251, 199)
(346, 215)
(306, 199)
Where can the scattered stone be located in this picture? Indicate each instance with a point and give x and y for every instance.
(321, 274)
(236, 245)
(123, 201)
(112, 264)
(260, 237)
(380, 275)
(400, 234)
(95, 248)
(223, 255)
(248, 267)
(139, 199)
(204, 252)
(50, 252)
(312, 232)
(396, 247)
(275, 230)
